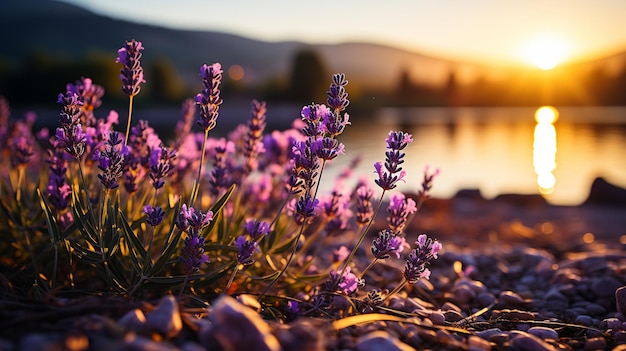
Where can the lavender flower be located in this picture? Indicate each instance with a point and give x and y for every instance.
(400, 207)
(347, 283)
(183, 127)
(427, 182)
(364, 207)
(313, 116)
(21, 151)
(160, 165)
(256, 229)
(335, 122)
(131, 74)
(387, 178)
(192, 254)
(70, 135)
(219, 178)
(58, 191)
(245, 249)
(154, 215)
(91, 96)
(253, 145)
(415, 267)
(340, 254)
(209, 97)
(327, 148)
(305, 208)
(111, 161)
(388, 243)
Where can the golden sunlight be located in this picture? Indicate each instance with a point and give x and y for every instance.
(545, 52)
(544, 148)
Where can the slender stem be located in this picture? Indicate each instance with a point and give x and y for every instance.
(293, 253)
(54, 266)
(368, 267)
(196, 185)
(230, 281)
(365, 230)
(182, 289)
(398, 288)
(18, 190)
(130, 114)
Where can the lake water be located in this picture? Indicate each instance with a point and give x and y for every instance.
(501, 150)
(495, 150)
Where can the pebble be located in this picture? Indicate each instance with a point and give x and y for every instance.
(523, 341)
(488, 333)
(237, 327)
(543, 333)
(476, 343)
(584, 320)
(133, 320)
(511, 298)
(605, 286)
(142, 343)
(594, 344)
(380, 340)
(453, 316)
(165, 319)
(620, 299)
(593, 309)
(612, 323)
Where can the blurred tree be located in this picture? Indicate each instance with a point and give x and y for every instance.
(165, 83)
(309, 79)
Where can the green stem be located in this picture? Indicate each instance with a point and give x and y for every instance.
(230, 281)
(398, 288)
(293, 253)
(196, 185)
(365, 230)
(368, 267)
(18, 190)
(130, 114)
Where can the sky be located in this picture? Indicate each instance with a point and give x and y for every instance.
(490, 31)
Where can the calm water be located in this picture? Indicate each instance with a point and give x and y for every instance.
(500, 150)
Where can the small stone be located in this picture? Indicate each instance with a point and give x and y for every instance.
(453, 316)
(595, 344)
(142, 343)
(543, 333)
(605, 286)
(612, 323)
(593, 309)
(584, 320)
(485, 299)
(487, 333)
(250, 301)
(463, 294)
(620, 299)
(302, 335)
(380, 340)
(513, 315)
(478, 344)
(620, 337)
(437, 317)
(192, 346)
(526, 342)
(237, 327)
(619, 348)
(165, 319)
(449, 306)
(37, 341)
(511, 298)
(133, 320)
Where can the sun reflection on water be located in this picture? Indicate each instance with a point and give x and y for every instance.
(544, 148)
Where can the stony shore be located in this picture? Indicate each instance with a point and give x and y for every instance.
(515, 274)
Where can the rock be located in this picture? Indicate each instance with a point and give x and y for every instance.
(478, 344)
(237, 327)
(593, 309)
(605, 193)
(605, 286)
(584, 320)
(543, 333)
(250, 301)
(488, 333)
(381, 340)
(523, 341)
(133, 320)
(612, 323)
(595, 344)
(303, 335)
(512, 299)
(620, 299)
(165, 319)
(142, 343)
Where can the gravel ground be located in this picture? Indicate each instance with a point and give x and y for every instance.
(515, 274)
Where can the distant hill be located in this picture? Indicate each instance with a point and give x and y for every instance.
(59, 28)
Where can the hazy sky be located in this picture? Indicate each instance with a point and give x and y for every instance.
(474, 29)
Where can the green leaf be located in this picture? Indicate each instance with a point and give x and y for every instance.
(167, 253)
(217, 207)
(135, 247)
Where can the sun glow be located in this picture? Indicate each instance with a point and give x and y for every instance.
(545, 52)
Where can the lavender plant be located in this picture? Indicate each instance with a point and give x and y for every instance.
(116, 215)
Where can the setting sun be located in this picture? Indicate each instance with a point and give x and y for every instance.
(545, 52)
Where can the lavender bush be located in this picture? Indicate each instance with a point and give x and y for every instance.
(93, 211)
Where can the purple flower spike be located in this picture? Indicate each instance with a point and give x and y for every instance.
(348, 283)
(364, 206)
(427, 182)
(388, 243)
(253, 145)
(256, 229)
(70, 135)
(154, 215)
(416, 265)
(132, 72)
(192, 255)
(160, 165)
(22, 151)
(111, 161)
(209, 97)
(245, 249)
(400, 207)
(394, 158)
